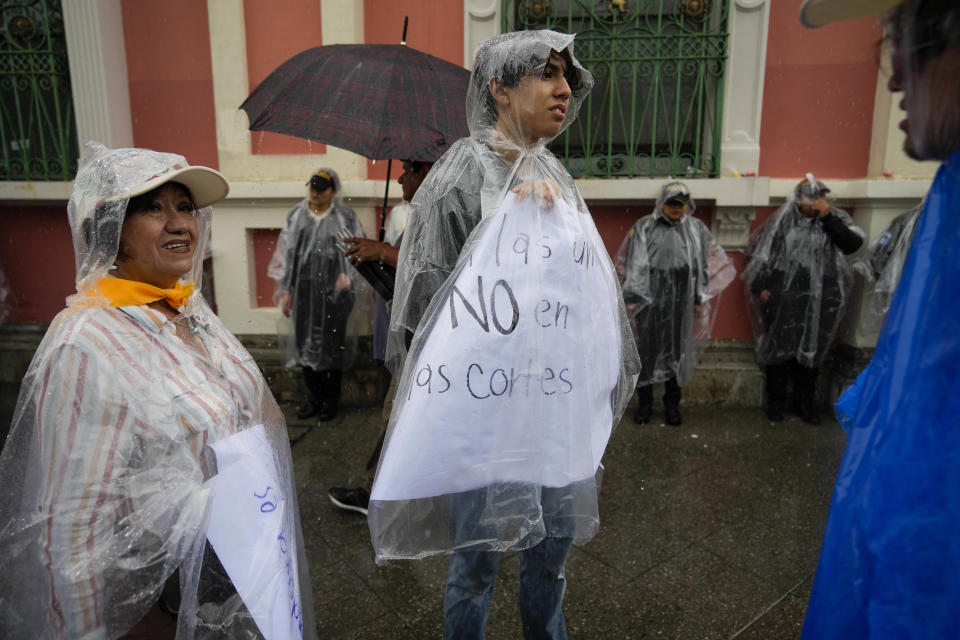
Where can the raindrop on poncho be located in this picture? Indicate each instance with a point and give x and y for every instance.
(327, 292)
(121, 432)
(672, 274)
(521, 358)
(801, 261)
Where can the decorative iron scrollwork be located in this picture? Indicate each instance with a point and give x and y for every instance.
(538, 10)
(618, 6)
(695, 8)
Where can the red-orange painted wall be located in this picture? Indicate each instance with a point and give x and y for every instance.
(171, 79)
(818, 96)
(36, 255)
(434, 27)
(275, 33)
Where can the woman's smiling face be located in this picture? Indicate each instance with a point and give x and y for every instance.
(158, 237)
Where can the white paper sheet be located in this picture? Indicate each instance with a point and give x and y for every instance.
(253, 534)
(514, 380)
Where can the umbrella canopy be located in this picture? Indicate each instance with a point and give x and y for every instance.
(378, 100)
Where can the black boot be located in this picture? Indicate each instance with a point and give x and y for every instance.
(671, 402)
(805, 393)
(776, 383)
(329, 395)
(644, 404)
(311, 404)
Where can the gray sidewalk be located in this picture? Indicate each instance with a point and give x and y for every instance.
(709, 530)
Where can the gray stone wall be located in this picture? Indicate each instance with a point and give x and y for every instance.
(727, 376)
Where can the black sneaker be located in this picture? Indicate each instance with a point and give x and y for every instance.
(672, 414)
(356, 499)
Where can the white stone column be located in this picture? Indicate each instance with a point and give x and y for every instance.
(743, 86)
(481, 19)
(98, 71)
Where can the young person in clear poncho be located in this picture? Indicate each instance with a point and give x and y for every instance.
(672, 273)
(521, 358)
(318, 290)
(136, 409)
(890, 552)
(883, 262)
(798, 285)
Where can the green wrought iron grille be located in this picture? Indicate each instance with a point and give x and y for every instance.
(37, 131)
(656, 108)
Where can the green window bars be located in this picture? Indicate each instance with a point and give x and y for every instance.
(37, 131)
(657, 106)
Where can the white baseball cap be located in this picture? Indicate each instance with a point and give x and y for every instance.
(816, 13)
(206, 185)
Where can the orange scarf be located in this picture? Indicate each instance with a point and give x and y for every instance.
(123, 293)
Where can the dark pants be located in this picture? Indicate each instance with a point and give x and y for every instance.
(473, 574)
(671, 395)
(323, 386)
(804, 384)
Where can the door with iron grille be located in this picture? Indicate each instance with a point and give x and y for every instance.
(38, 136)
(657, 105)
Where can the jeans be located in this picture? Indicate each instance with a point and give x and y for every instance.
(470, 583)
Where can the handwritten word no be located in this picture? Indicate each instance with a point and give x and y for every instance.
(481, 315)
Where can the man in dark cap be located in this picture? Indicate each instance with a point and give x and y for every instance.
(666, 264)
(799, 282)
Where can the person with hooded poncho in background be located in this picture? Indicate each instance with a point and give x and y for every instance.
(318, 289)
(358, 251)
(136, 416)
(883, 263)
(890, 552)
(512, 344)
(798, 285)
(672, 273)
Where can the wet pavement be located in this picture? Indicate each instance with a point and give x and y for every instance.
(708, 530)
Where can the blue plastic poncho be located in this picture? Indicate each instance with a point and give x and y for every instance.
(891, 551)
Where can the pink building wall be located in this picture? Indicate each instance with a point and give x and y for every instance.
(273, 37)
(171, 78)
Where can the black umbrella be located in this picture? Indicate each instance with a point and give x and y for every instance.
(378, 100)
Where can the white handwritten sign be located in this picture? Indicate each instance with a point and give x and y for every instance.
(252, 531)
(511, 379)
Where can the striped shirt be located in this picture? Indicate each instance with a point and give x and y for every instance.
(125, 401)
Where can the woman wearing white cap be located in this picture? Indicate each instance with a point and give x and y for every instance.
(120, 426)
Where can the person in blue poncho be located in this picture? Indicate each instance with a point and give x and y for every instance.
(891, 551)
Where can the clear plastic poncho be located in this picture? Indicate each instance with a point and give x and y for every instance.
(798, 261)
(309, 264)
(521, 358)
(672, 274)
(883, 264)
(126, 429)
